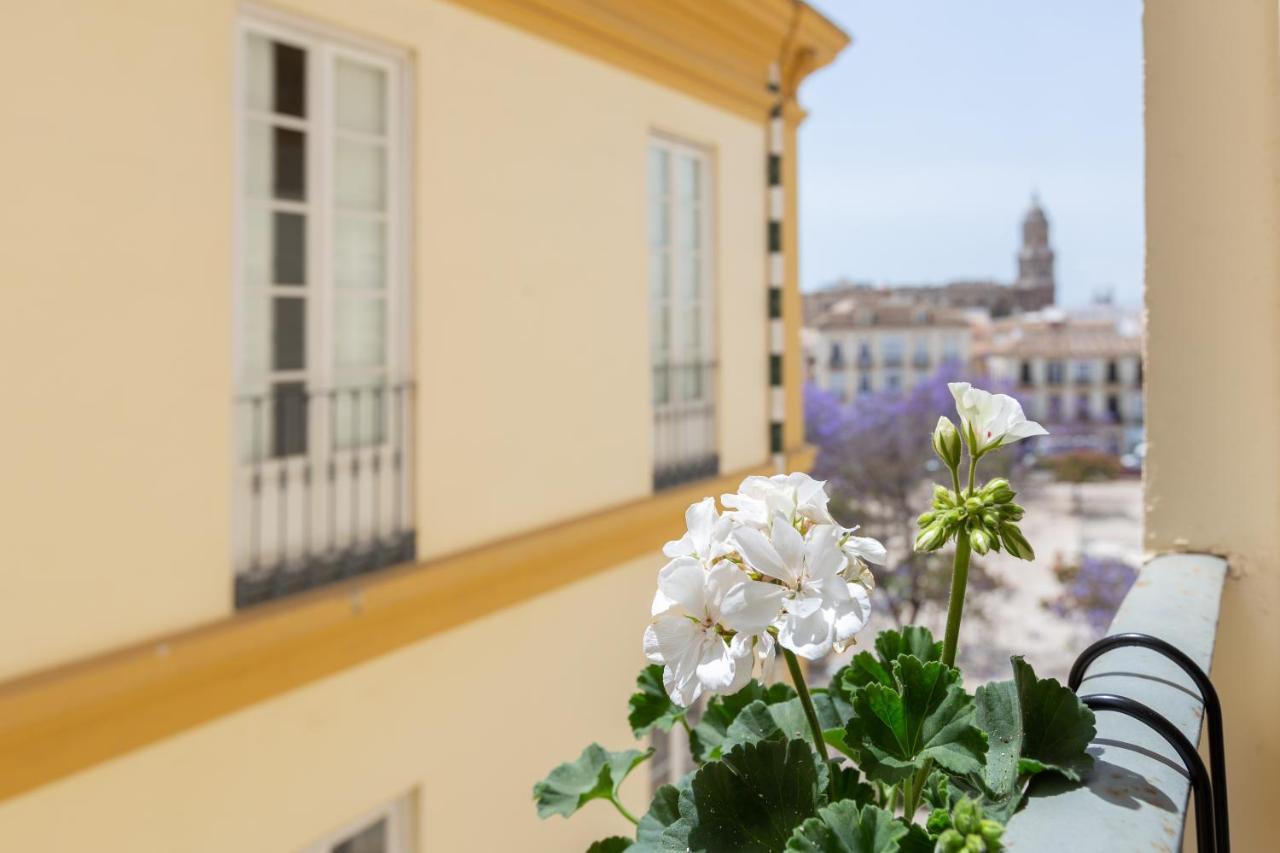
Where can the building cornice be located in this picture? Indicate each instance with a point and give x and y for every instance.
(716, 50)
(70, 718)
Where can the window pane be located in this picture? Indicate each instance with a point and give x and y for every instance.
(257, 160)
(689, 277)
(257, 335)
(290, 164)
(288, 419)
(688, 179)
(291, 80)
(660, 323)
(659, 222)
(371, 839)
(360, 332)
(361, 175)
(258, 73)
(288, 333)
(359, 416)
(659, 166)
(359, 250)
(361, 97)
(289, 248)
(659, 275)
(690, 236)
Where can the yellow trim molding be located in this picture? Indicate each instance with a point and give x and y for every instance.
(715, 50)
(57, 722)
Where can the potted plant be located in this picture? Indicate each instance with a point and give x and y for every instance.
(892, 754)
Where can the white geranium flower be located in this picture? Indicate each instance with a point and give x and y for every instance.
(860, 551)
(821, 609)
(706, 537)
(693, 611)
(792, 496)
(991, 420)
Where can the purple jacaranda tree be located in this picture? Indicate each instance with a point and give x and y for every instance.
(1092, 591)
(878, 473)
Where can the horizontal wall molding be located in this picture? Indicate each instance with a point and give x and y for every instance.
(716, 50)
(63, 720)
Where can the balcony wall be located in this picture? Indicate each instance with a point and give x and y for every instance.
(1213, 349)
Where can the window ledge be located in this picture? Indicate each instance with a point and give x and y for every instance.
(1136, 796)
(59, 721)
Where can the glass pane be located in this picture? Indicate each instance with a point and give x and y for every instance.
(690, 236)
(257, 247)
(288, 333)
(689, 277)
(360, 414)
(359, 252)
(288, 419)
(257, 160)
(660, 323)
(693, 383)
(289, 252)
(361, 96)
(258, 73)
(257, 335)
(290, 164)
(361, 175)
(360, 334)
(371, 839)
(659, 222)
(659, 275)
(659, 168)
(688, 179)
(693, 333)
(661, 383)
(291, 80)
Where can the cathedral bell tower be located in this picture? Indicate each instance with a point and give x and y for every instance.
(1035, 260)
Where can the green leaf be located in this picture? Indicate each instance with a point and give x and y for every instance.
(650, 705)
(665, 826)
(845, 783)
(1033, 725)
(612, 844)
(596, 774)
(927, 717)
(707, 740)
(866, 668)
(759, 721)
(843, 827)
(752, 799)
(937, 791)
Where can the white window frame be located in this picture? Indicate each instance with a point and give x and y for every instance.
(324, 46)
(679, 351)
(399, 817)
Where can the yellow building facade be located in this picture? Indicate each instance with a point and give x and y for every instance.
(512, 191)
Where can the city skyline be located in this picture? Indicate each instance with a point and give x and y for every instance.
(930, 136)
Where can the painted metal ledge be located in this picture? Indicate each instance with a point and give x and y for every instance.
(1136, 797)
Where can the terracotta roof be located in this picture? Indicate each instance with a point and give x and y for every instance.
(851, 313)
(1064, 339)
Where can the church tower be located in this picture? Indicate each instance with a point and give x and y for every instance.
(1035, 260)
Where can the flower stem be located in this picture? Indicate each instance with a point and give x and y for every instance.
(955, 609)
(973, 469)
(798, 677)
(623, 810)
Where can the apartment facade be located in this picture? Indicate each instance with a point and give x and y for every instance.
(1079, 372)
(857, 348)
(299, 565)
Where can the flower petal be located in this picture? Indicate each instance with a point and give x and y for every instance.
(683, 580)
(760, 554)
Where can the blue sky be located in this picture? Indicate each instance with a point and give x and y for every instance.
(927, 137)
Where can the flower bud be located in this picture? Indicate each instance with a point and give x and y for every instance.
(991, 832)
(975, 844)
(950, 841)
(973, 504)
(1015, 543)
(946, 443)
(932, 537)
(979, 539)
(965, 816)
(1010, 512)
(998, 490)
(926, 518)
(943, 498)
(939, 821)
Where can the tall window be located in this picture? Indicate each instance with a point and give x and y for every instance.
(323, 395)
(682, 313)
(388, 829)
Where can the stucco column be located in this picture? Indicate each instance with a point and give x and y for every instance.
(1213, 349)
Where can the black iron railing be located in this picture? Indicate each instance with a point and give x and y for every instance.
(322, 486)
(684, 423)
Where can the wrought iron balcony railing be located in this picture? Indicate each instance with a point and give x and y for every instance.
(685, 447)
(322, 486)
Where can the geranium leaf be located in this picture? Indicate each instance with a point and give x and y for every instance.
(1033, 725)
(612, 844)
(845, 783)
(707, 740)
(787, 720)
(671, 815)
(866, 668)
(843, 827)
(915, 640)
(752, 799)
(650, 705)
(928, 716)
(596, 774)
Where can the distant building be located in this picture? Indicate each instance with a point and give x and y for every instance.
(1079, 374)
(1034, 288)
(856, 348)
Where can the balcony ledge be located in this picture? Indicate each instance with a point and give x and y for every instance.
(1136, 796)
